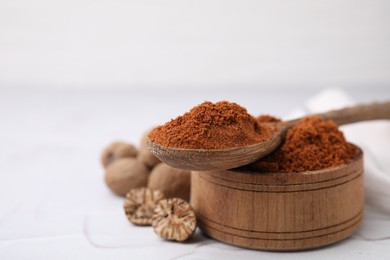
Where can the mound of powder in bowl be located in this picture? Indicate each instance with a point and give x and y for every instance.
(312, 144)
(212, 126)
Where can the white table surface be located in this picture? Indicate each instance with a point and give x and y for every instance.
(55, 205)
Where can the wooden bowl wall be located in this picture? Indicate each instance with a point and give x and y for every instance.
(280, 211)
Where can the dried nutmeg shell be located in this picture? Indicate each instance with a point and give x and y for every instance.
(146, 156)
(173, 182)
(139, 205)
(117, 150)
(174, 219)
(126, 174)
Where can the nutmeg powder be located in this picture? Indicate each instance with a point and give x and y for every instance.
(268, 119)
(312, 144)
(212, 126)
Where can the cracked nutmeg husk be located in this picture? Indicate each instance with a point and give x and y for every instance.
(174, 219)
(139, 205)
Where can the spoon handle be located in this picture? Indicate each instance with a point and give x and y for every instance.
(359, 113)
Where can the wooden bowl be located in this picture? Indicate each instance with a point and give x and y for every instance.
(280, 211)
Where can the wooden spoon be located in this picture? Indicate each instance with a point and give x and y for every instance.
(216, 159)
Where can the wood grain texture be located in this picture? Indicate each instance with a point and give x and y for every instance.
(358, 113)
(214, 159)
(280, 211)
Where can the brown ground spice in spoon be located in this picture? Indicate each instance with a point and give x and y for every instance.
(212, 126)
(312, 144)
(268, 119)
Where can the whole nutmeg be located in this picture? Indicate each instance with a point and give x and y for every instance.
(173, 182)
(174, 219)
(117, 150)
(139, 205)
(146, 156)
(125, 174)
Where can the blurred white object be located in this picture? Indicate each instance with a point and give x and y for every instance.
(372, 136)
(219, 43)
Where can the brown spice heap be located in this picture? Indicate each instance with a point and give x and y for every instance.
(212, 126)
(312, 144)
(268, 119)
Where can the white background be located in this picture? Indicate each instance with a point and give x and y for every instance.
(215, 43)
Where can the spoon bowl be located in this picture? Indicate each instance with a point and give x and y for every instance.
(213, 159)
